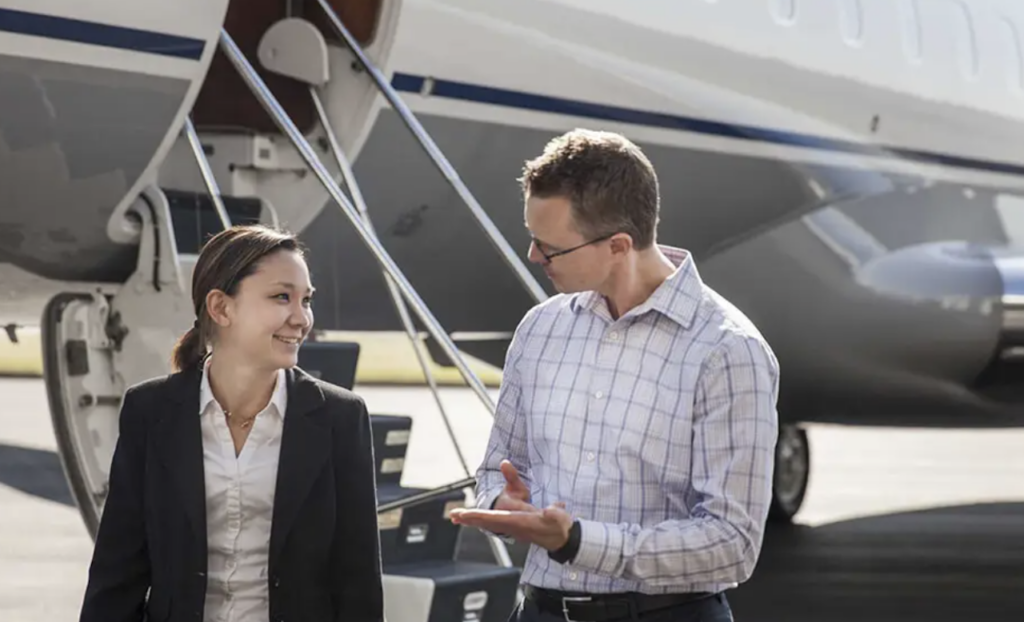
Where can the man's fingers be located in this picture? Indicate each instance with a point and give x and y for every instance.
(514, 505)
(510, 473)
(513, 484)
(496, 520)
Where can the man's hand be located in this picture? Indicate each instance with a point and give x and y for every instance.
(516, 495)
(515, 517)
(547, 528)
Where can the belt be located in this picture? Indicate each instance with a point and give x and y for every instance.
(604, 607)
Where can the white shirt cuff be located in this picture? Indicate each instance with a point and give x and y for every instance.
(600, 548)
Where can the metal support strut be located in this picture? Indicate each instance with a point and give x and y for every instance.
(287, 126)
(207, 173)
(499, 241)
(403, 311)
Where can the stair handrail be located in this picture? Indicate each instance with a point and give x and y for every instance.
(207, 173)
(287, 126)
(349, 177)
(213, 190)
(427, 143)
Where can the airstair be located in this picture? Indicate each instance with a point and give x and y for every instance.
(424, 580)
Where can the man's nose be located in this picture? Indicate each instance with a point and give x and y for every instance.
(534, 254)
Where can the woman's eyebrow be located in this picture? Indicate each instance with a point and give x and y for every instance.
(294, 287)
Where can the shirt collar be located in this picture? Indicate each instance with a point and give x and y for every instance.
(677, 298)
(278, 399)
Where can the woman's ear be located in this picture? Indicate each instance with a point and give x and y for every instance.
(219, 308)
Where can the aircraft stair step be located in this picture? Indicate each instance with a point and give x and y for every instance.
(195, 219)
(390, 442)
(336, 362)
(418, 533)
(450, 592)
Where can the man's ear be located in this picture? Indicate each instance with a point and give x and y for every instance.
(621, 243)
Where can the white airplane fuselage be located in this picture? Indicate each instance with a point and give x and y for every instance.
(847, 172)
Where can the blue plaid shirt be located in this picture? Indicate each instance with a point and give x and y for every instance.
(657, 430)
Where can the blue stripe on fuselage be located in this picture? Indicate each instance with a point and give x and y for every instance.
(557, 105)
(105, 35)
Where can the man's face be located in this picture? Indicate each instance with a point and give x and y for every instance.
(550, 222)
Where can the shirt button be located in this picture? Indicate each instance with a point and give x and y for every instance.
(614, 336)
(590, 456)
(572, 576)
(599, 394)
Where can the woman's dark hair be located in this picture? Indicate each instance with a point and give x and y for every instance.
(224, 262)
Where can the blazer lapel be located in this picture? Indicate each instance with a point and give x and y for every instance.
(305, 448)
(179, 443)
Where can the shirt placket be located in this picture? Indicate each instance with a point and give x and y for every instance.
(233, 505)
(608, 353)
(607, 350)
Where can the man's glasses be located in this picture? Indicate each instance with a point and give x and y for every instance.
(549, 256)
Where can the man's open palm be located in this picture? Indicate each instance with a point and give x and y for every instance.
(513, 515)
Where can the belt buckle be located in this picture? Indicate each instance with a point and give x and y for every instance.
(575, 599)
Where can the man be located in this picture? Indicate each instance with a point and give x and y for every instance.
(633, 441)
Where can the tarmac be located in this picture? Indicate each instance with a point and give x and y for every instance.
(899, 525)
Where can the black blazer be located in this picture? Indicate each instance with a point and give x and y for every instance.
(324, 544)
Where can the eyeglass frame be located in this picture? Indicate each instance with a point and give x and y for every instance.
(548, 258)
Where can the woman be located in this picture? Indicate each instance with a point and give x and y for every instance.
(241, 489)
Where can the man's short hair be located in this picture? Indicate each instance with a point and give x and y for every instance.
(610, 183)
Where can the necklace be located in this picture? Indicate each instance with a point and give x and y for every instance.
(245, 424)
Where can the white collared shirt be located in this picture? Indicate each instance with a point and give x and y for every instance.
(239, 506)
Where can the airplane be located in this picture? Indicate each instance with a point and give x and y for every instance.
(846, 172)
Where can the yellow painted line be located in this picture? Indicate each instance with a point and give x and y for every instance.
(384, 358)
(24, 358)
(389, 358)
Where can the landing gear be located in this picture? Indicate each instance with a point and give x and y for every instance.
(792, 472)
(98, 344)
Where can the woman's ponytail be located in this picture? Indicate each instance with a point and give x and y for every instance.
(190, 349)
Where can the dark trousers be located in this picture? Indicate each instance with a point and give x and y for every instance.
(711, 609)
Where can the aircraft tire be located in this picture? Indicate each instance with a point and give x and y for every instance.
(792, 473)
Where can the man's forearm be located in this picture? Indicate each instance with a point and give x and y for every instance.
(676, 553)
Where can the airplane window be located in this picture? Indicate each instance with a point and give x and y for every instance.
(969, 47)
(1013, 55)
(851, 21)
(784, 11)
(911, 27)
(947, 20)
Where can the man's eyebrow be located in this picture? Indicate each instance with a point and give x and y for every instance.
(535, 238)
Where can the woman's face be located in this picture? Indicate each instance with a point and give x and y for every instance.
(271, 313)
